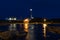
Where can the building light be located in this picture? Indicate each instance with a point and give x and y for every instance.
(44, 20)
(10, 19)
(14, 18)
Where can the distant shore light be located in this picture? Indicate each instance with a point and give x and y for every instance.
(44, 19)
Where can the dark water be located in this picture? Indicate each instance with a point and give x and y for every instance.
(52, 35)
(38, 33)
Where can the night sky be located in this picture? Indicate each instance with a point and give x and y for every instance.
(20, 8)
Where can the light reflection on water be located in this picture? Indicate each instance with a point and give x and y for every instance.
(38, 33)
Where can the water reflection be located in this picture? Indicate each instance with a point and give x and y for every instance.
(35, 33)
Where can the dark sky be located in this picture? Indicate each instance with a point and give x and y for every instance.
(41, 8)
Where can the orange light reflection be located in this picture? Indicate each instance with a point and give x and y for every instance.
(26, 24)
